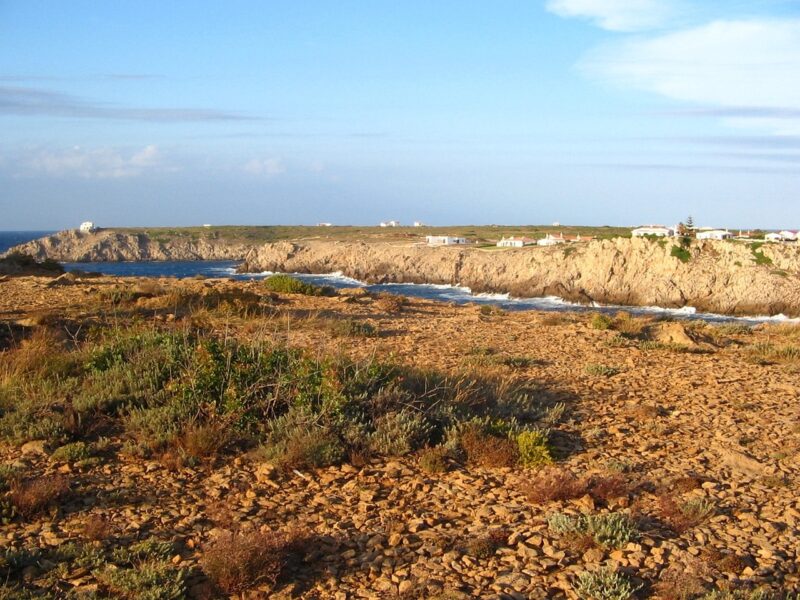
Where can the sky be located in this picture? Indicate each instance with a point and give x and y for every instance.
(587, 112)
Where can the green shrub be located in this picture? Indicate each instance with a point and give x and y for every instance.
(534, 449)
(149, 549)
(758, 255)
(682, 254)
(287, 284)
(604, 584)
(612, 530)
(71, 453)
(153, 580)
(351, 328)
(601, 370)
(433, 460)
(399, 433)
(601, 321)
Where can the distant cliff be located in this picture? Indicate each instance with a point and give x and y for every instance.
(722, 277)
(108, 245)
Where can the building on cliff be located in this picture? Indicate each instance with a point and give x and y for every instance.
(654, 230)
(714, 234)
(515, 242)
(445, 240)
(552, 240)
(87, 227)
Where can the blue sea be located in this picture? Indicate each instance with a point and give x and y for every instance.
(444, 293)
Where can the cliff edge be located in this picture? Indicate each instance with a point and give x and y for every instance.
(722, 277)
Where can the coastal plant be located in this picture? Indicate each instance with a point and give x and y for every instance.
(682, 516)
(488, 450)
(351, 328)
(72, 452)
(143, 550)
(286, 284)
(553, 485)
(399, 433)
(433, 460)
(485, 546)
(681, 253)
(152, 580)
(601, 321)
(533, 448)
(759, 257)
(600, 370)
(237, 562)
(612, 530)
(604, 584)
(32, 496)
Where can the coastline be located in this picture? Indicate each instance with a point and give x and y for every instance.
(723, 278)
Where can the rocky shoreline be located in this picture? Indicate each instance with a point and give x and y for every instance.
(716, 277)
(719, 277)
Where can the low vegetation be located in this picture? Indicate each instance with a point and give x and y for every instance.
(604, 584)
(286, 284)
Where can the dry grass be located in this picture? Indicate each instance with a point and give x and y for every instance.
(390, 303)
(237, 562)
(32, 496)
(203, 441)
(560, 485)
(553, 485)
(97, 528)
(487, 450)
(682, 516)
(485, 546)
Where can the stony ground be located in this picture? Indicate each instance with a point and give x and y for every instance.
(657, 416)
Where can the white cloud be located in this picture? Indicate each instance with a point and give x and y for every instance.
(98, 163)
(616, 15)
(267, 167)
(748, 69)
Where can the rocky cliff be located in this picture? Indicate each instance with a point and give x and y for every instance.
(114, 246)
(721, 277)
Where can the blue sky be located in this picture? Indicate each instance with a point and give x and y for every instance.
(578, 111)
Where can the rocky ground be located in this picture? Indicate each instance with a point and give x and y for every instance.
(671, 415)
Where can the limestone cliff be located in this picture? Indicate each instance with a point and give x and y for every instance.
(721, 277)
(107, 245)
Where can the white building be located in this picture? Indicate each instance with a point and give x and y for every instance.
(790, 236)
(419, 224)
(654, 230)
(552, 240)
(714, 234)
(445, 240)
(773, 237)
(515, 242)
(87, 227)
(324, 224)
(390, 223)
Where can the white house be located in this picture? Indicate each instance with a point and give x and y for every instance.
(445, 240)
(419, 224)
(790, 236)
(324, 224)
(515, 242)
(390, 223)
(773, 237)
(714, 234)
(654, 230)
(552, 240)
(87, 227)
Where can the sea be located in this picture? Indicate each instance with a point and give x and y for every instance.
(455, 294)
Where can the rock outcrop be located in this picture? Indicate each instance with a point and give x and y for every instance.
(108, 245)
(721, 277)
